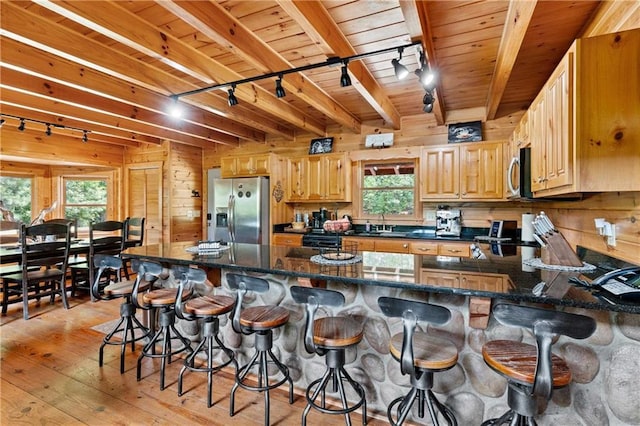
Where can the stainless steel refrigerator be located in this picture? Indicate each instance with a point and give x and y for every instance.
(241, 210)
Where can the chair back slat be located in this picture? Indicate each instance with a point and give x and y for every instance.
(427, 312)
(134, 231)
(73, 225)
(322, 297)
(258, 285)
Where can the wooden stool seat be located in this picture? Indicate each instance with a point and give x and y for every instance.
(337, 332)
(517, 361)
(209, 305)
(264, 317)
(123, 288)
(429, 352)
(163, 296)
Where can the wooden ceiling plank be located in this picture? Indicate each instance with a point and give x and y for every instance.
(56, 106)
(136, 33)
(516, 25)
(125, 137)
(71, 95)
(229, 32)
(46, 65)
(317, 22)
(35, 30)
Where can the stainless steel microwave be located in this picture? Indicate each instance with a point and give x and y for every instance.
(519, 175)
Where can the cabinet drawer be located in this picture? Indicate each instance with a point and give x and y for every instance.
(428, 248)
(364, 244)
(454, 249)
(392, 246)
(293, 240)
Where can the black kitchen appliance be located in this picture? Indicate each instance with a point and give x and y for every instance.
(519, 175)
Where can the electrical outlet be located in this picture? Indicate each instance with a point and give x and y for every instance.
(189, 214)
(611, 238)
(430, 215)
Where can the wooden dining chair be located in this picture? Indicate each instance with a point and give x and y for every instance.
(44, 264)
(104, 238)
(133, 237)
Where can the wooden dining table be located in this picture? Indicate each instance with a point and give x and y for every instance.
(10, 254)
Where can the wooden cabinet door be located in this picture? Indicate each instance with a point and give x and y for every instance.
(336, 175)
(297, 179)
(482, 282)
(438, 278)
(440, 173)
(262, 165)
(228, 167)
(537, 136)
(364, 244)
(559, 137)
(481, 171)
(315, 178)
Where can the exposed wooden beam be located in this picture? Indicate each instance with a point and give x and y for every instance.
(516, 25)
(430, 52)
(229, 32)
(37, 31)
(151, 41)
(314, 18)
(613, 16)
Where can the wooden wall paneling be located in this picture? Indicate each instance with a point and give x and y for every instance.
(185, 175)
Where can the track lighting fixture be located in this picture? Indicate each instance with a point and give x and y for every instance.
(280, 93)
(49, 126)
(400, 70)
(231, 96)
(428, 101)
(175, 110)
(345, 80)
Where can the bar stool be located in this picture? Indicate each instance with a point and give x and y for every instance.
(261, 321)
(532, 371)
(163, 300)
(109, 268)
(207, 308)
(420, 356)
(330, 337)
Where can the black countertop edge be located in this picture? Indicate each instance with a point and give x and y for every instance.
(600, 304)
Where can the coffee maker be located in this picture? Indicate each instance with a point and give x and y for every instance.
(448, 222)
(318, 220)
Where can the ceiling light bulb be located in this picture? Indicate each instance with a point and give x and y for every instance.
(280, 93)
(21, 125)
(231, 96)
(428, 79)
(48, 131)
(176, 110)
(400, 70)
(345, 80)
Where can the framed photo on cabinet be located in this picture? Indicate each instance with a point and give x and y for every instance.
(321, 146)
(465, 132)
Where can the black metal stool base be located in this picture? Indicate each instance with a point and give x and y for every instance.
(318, 388)
(260, 361)
(424, 398)
(210, 336)
(127, 325)
(512, 418)
(167, 321)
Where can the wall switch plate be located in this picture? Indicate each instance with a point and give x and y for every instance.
(189, 214)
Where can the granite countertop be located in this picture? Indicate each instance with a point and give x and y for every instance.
(498, 274)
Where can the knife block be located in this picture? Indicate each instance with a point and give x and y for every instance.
(558, 251)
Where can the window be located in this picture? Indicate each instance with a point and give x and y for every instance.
(389, 189)
(85, 200)
(15, 193)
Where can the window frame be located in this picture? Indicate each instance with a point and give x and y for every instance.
(415, 218)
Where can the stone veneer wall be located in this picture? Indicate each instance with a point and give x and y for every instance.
(605, 367)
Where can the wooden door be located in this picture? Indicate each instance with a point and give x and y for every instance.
(144, 198)
(297, 187)
(315, 178)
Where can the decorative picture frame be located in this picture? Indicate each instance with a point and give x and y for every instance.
(321, 145)
(465, 132)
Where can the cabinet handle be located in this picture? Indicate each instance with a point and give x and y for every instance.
(464, 193)
(454, 250)
(456, 194)
(339, 164)
(405, 245)
(424, 249)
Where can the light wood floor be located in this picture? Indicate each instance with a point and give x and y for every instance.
(50, 374)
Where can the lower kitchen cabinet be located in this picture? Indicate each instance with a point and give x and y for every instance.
(397, 245)
(466, 280)
(291, 240)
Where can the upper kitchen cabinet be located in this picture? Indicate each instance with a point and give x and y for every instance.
(245, 166)
(325, 177)
(584, 126)
(470, 171)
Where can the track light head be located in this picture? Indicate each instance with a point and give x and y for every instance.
(400, 70)
(85, 138)
(21, 125)
(280, 93)
(427, 77)
(48, 131)
(345, 80)
(231, 96)
(428, 100)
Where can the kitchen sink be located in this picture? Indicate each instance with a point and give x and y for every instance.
(388, 234)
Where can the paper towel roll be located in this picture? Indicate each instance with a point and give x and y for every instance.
(527, 253)
(527, 227)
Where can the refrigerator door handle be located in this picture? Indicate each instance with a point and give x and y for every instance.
(231, 212)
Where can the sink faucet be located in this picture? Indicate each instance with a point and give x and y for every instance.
(383, 227)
